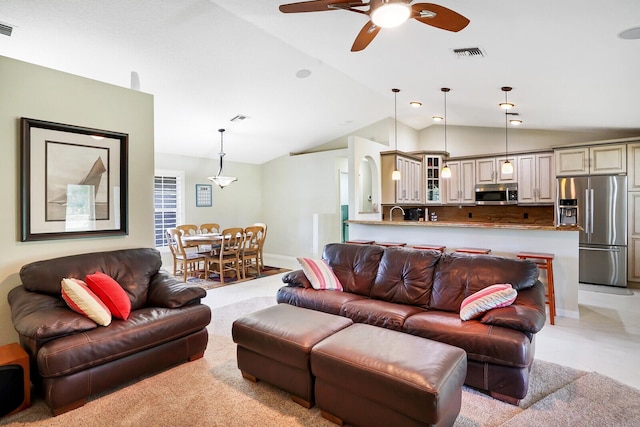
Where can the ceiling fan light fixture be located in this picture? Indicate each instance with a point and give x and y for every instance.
(391, 13)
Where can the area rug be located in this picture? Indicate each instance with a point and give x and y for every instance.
(211, 392)
(213, 281)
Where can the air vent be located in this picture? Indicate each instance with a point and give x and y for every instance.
(470, 52)
(239, 117)
(6, 29)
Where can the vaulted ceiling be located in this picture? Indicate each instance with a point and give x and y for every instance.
(207, 62)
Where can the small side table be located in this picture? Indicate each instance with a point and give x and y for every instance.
(12, 356)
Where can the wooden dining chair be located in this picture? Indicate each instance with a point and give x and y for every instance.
(250, 254)
(228, 257)
(207, 229)
(187, 262)
(261, 250)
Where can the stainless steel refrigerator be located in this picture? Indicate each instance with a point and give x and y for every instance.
(602, 214)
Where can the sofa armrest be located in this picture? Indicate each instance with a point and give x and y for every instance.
(296, 278)
(167, 291)
(527, 313)
(43, 317)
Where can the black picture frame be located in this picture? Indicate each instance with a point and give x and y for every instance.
(74, 181)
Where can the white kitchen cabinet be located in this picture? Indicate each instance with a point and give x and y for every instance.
(594, 160)
(460, 188)
(408, 189)
(633, 167)
(489, 170)
(633, 241)
(536, 180)
(432, 165)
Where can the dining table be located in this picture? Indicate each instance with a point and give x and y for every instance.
(197, 240)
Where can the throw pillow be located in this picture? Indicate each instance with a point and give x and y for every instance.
(494, 296)
(319, 274)
(111, 293)
(80, 299)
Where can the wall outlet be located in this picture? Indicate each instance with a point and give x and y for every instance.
(526, 215)
(470, 215)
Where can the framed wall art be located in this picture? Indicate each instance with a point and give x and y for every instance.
(74, 181)
(204, 196)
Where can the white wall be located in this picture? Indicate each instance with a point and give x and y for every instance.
(301, 202)
(40, 93)
(237, 205)
(474, 141)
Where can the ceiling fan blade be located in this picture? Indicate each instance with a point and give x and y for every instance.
(318, 6)
(366, 34)
(438, 16)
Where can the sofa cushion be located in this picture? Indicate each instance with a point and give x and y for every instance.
(145, 328)
(319, 274)
(457, 276)
(405, 276)
(327, 301)
(111, 294)
(385, 314)
(131, 268)
(483, 343)
(82, 300)
(355, 266)
(494, 296)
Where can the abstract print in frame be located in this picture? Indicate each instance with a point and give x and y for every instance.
(74, 181)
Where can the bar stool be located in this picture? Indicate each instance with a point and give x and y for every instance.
(360, 242)
(391, 244)
(430, 247)
(544, 261)
(474, 251)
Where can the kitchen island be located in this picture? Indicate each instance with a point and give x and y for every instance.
(503, 239)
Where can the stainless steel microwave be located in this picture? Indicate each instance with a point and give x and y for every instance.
(497, 194)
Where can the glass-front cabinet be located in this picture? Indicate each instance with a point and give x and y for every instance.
(433, 182)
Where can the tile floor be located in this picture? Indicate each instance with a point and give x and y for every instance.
(605, 339)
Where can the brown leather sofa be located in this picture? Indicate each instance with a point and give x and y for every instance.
(72, 358)
(420, 292)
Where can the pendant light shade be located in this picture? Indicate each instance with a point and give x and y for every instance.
(507, 167)
(221, 180)
(395, 175)
(445, 172)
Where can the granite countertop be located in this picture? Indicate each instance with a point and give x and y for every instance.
(466, 225)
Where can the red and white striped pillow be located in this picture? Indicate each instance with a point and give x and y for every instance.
(494, 296)
(82, 300)
(319, 274)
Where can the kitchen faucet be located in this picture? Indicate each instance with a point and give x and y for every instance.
(391, 212)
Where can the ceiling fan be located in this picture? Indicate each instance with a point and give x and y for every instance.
(384, 14)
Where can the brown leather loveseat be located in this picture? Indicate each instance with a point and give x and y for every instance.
(420, 292)
(72, 357)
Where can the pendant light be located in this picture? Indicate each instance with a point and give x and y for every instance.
(507, 167)
(219, 179)
(395, 175)
(446, 172)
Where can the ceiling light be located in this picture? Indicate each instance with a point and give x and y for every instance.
(390, 13)
(507, 167)
(446, 172)
(219, 179)
(515, 122)
(303, 74)
(437, 118)
(416, 104)
(395, 175)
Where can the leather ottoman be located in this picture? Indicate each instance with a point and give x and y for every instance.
(371, 376)
(274, 346)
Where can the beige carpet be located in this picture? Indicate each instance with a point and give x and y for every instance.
(211, 392)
